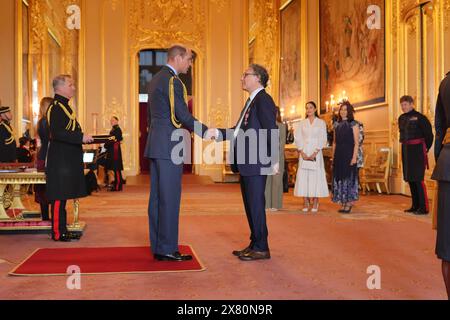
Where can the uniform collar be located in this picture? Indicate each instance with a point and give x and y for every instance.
(172, 68)
(62, 99)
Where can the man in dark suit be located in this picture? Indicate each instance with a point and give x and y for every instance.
(254, 144)
(7, 138)
(65, 168)
(442, 175)
(168, 111)
(416, 137)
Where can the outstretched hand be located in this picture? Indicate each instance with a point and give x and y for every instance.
(87, 138)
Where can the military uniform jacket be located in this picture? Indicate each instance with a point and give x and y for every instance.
(442, 123)
(65, 168)
(159, 143)
(113, 150)
(414, 125)
(7, 143)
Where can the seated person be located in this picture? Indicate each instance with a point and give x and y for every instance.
(23, 152)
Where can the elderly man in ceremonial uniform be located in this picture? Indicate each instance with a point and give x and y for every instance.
(7, 138)
(442, 175)
(416, 137)
(65, 168)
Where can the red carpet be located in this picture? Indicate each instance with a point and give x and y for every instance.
(45, 262)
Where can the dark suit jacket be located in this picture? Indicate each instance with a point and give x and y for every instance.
(442, 123)
(245, 150)
(159, 144)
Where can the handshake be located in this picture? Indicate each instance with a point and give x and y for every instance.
(211, 134)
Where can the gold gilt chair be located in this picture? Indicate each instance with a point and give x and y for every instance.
(376, 170)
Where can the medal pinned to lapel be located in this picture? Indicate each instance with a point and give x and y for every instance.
(247, 114)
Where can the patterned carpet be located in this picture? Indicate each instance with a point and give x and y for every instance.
(314, 256)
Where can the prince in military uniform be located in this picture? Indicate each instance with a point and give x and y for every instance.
(168, 111)
(7, 138)
(65, 169)
(442, 175)
(416, 137)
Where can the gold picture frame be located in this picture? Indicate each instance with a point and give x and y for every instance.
(353, 52)
(290, 72)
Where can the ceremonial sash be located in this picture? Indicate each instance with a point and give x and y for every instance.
(424, 148)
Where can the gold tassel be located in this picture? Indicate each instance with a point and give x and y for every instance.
(173, 118)
(12, 138)
(71, 125)
(434, 210)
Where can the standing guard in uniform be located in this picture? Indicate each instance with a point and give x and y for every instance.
(65, 168)
(442, 175)
(416, 137)
(7, 139)
(114, 155)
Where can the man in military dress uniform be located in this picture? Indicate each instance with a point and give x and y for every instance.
(7, 138)
(168, 111)
(65, 168)
(114, 155)
(442, 175)
(416, 137)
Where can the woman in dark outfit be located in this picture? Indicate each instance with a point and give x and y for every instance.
(345, 152)
(43, 133)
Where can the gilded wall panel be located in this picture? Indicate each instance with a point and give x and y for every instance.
(160, 23)
(265, 30)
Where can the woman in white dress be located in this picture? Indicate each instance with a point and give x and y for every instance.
(310, 138)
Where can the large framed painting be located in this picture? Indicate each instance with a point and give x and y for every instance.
(352, 51)
(290, 55)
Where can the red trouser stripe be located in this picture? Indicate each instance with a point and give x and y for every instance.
(117, 180)
(56, 208)
(427, 206)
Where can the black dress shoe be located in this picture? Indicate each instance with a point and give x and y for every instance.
(421, 211)
(255, 255)
(239, 253)
(63, 238)
(176, 256)
(412, 209)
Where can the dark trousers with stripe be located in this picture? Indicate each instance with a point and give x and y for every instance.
(164, 205)
(118, 180)
(419, 195)
(252, 189)
(59, 218)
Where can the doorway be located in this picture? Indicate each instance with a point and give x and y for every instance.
(150, 63)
